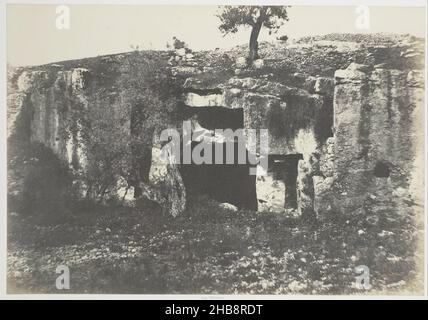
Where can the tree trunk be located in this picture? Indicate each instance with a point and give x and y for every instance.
(254, 45)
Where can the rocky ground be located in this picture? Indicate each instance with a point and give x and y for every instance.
(211, 249)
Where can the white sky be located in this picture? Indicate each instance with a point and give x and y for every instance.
(33, 39)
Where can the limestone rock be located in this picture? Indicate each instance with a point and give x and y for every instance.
(185, 70)
(354, 73)
(234, 92)
(377, 148)
(15, 108)
(258, 64)
(166, 184)
(323, 195)
(30, 80)
(305, 188)
(241, 63)
(245, 83)
(228, 206)
(210, 100)
(78, 78)
(326, 163)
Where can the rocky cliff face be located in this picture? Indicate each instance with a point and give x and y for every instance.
(378, 145)
(343, 118)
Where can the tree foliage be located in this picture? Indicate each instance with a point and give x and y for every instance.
(118, 139)
(256, 17)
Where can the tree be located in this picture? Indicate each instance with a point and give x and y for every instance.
(118, 133)
(271, 17)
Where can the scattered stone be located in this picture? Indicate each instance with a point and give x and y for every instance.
(385, 233)
(185, 70)
(241, 63)
(228, 206)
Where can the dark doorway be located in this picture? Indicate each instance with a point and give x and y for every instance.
(230, 183)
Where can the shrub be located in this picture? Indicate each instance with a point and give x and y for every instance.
(47, 185)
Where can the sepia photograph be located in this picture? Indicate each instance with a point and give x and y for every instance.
(217, 149)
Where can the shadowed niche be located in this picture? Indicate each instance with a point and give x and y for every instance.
(284, 168)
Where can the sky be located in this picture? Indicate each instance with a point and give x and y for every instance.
(33, 39)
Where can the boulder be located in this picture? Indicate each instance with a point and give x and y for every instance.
(356, 73)
(166, 185)
(228, 206)
(241, 63)
(258, 64)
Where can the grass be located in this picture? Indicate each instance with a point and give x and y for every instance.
(208, 250)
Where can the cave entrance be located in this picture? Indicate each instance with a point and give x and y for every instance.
(230, 183)
(277, 190)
